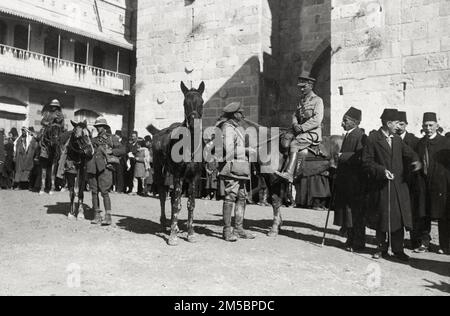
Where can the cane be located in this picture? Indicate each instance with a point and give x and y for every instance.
(390, 252)
(333, 196)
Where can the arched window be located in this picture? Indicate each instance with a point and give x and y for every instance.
(3, 32)
(21, 37)
(88, 115)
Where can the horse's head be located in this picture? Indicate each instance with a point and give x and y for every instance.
(193, 103)
(80, 141)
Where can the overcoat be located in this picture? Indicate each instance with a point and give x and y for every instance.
(350, 179)
(378, 157)
(434, 187)
(24, 158)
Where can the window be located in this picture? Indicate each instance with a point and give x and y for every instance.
(51, 45)
(21, 37)
(80, 52)
(3, 32)
(99, 57)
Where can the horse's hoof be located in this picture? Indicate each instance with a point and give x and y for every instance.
(41, 192)
(173, 241)
(273, 233)
(71, 217)
(192, 238)
(51, 192)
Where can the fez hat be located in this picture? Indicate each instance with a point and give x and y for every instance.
(430, 117)
(390, 115)
(305, 76)
(148, 138)
(402, 117)
(101, 121)
(55, 103)
(354, 114)
(233, 107)
(82, 124)
(31, 129)
(118, 133)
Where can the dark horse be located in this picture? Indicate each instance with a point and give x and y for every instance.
(165, 168)
(320, 160)
(77, 150)
(50, 154)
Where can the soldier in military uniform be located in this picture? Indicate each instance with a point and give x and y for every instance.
(306, 127)
(100, 168)
(234, 171)
(52, 114)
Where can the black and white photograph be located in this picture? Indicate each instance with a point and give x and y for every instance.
(227, 155)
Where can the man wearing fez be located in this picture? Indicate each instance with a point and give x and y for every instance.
(388, 202)
(408, 138)
(306, 127)
(350, 183)
(434, 150)
(235, 171)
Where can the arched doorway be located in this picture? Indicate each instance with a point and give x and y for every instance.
(321, 70)
(88, 115)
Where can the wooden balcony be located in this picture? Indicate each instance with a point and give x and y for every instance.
(33, 65)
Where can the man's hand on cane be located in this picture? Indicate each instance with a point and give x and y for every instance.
(389, 175)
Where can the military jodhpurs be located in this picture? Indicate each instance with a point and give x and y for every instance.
(101, 183)
(235, 190)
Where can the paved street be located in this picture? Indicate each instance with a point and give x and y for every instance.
(41, 252)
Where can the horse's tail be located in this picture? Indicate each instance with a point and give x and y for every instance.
(152, 129)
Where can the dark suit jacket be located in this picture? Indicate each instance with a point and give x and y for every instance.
(350, 182)
(378, 157)
(434, 188)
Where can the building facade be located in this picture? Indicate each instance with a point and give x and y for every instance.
(80, 52)
(370, 54)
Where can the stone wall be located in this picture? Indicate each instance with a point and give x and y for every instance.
(391, 54)
(247, 51)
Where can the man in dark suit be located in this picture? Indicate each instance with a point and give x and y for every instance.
(389, 204)
(411, 178)
(350, 183)
(434, 150)
(408, 138)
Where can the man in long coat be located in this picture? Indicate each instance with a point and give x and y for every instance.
(389, 203)
(350, 183)
(434, 150)
(26, 147)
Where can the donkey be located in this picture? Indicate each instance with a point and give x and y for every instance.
(171, 175)
(76, 152)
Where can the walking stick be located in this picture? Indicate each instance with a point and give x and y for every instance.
(333, 196)
(390, 252)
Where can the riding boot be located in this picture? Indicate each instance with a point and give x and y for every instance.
(291, 165)
(227, 230)
(239, 221)
(98, 218)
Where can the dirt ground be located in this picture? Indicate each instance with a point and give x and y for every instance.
(42, 253)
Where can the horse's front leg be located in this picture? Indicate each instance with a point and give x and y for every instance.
(81, 182)
(162, 191)
(52, 177)
(176, 208)
(191, 207)
(43, 176)
(72, 214)
(277, 201)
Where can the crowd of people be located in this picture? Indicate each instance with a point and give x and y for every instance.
(21, 163)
